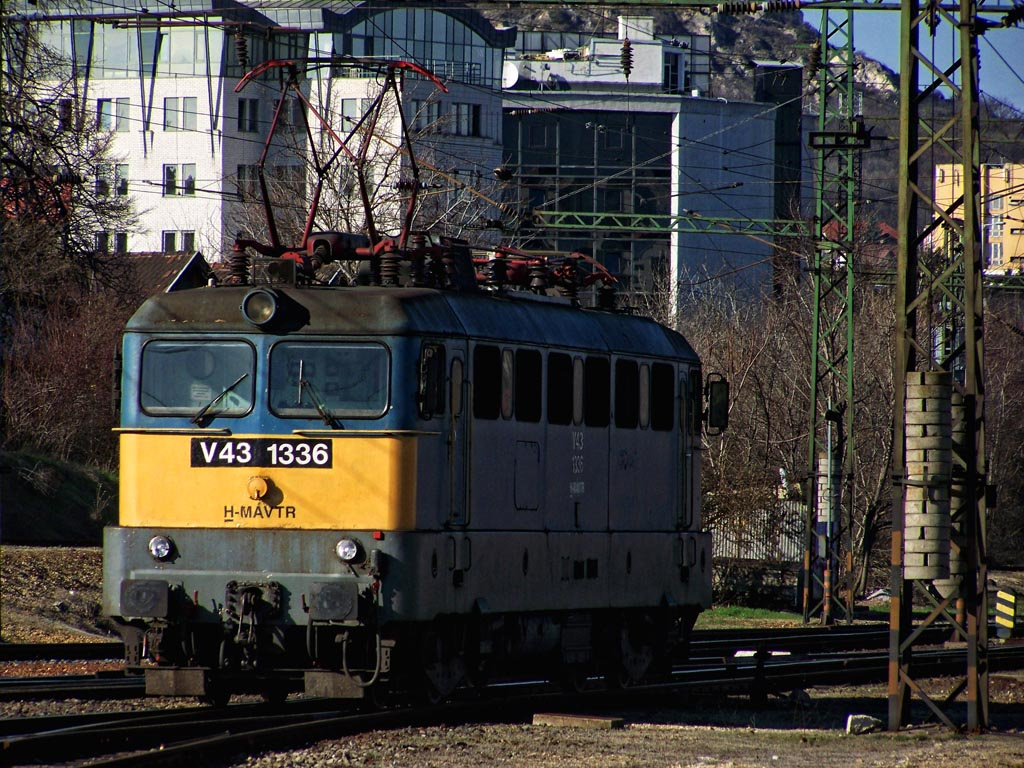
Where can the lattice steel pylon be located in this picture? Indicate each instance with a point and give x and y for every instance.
(839, 138)
(939, 296)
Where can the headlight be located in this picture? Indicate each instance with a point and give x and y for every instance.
(161, 547)
(259, 307)
(347, 550)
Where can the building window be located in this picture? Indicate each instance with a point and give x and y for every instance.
(995, 226)
(467, 120)
(105, 114)
(180, 113)
(103, 242)
(111, 177)
(172, 240)
(672, 68)
(121, 179)
(994, 255)
(291, 113)
(246, 181)
(102, 180)
(248, 115)
(112, 114)
(995, 202)
(426, 115)
(65, 109)
(120, 242)
(180, 179)
(121, 117)
(536, 136)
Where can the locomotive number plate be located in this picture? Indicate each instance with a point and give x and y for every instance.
(261, 452)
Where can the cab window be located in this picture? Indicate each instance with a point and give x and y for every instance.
(181, 378)
(316, 380)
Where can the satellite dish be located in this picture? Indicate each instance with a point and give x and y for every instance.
(509, 74)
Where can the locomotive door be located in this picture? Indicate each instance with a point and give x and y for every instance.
(458, 441)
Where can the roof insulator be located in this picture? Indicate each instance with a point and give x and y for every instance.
(242, 49)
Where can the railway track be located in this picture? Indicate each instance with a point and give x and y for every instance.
(61, 651)
(177, 737)
(97, 686)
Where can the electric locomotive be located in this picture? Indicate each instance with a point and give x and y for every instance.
(392, 487)
(442, 471)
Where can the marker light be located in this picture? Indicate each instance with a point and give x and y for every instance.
(259, 307)
(161, 547)
(347, 550)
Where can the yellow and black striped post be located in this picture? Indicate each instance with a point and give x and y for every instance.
(1006, 613)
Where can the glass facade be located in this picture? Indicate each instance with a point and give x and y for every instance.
(606, 162)
(438, 42)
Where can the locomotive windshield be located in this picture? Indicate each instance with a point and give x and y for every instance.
(186, 378)
(328, 380)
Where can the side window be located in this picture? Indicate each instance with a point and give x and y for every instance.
(529, 385)
(627, 394)
(431, 393)
(560, 388)
(577, 391)
(508, 392)
(596, 391)
(486, 382)
(645, 396)
(663, 397)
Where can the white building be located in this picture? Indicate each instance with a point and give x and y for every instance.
(645, 150)
(162, 77)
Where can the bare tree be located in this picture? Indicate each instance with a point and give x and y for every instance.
(63, 286)
(365, 169)
(61, 194)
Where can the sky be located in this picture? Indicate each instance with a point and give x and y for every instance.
(876, 33)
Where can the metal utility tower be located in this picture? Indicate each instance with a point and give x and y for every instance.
(837, 142)
(939, 294)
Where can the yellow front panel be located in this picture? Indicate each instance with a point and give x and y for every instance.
(370, 486)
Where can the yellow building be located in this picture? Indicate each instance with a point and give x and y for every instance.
(1002, 211)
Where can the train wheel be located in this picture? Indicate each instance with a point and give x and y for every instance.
(636, 655)
(443, 667)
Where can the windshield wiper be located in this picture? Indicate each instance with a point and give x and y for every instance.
(202, 411)
(320, 407)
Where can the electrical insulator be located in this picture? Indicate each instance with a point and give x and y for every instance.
(242, 49)
(627, 58)
(1014, 17)
(780, 6)
(814, 60)
(734, 9)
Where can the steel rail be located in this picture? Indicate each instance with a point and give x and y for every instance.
(163, 738)
(61, 651)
